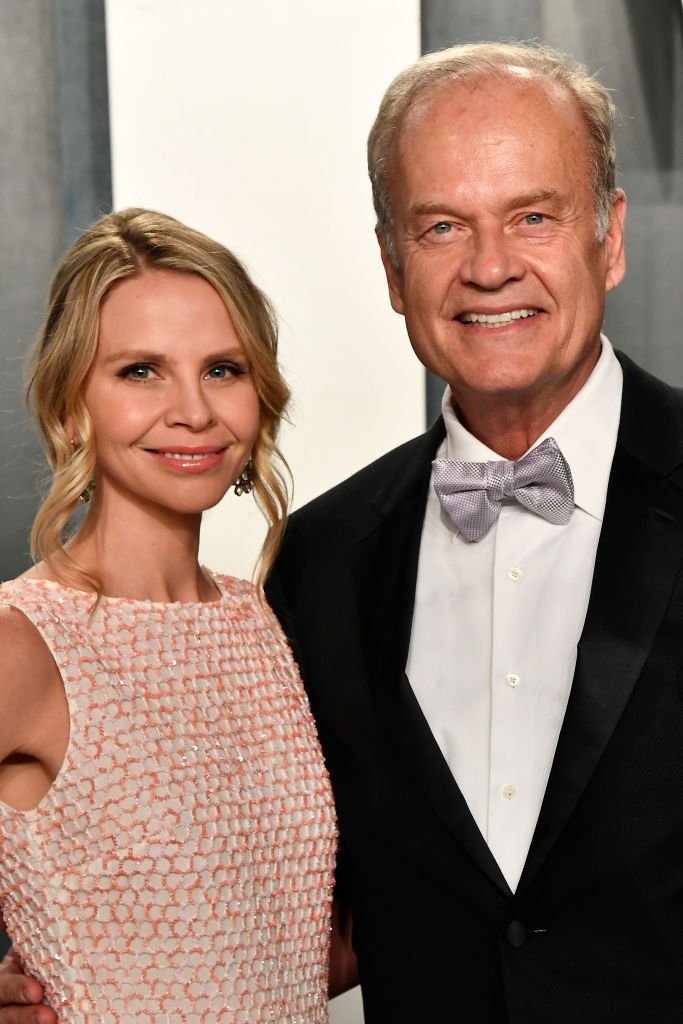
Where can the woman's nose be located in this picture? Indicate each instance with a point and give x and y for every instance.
(188, 406)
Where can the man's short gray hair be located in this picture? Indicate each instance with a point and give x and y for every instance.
(472, 60)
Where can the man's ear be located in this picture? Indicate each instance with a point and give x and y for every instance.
(393, 276)
(614, 240)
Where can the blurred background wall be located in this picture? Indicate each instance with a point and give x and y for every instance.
(55, 178)
(249, 122)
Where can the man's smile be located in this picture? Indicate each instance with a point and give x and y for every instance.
(496, 319)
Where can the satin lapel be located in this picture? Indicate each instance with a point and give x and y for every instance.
(385, 567)
(637, 562)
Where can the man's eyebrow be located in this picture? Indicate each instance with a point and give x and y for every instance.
(431, 207)
(546, 195)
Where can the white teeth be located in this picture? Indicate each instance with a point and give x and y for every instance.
(496, 319)
(184, 458)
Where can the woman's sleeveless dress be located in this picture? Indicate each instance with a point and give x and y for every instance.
(180, 868)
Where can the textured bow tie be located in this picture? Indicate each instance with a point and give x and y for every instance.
(472, 493)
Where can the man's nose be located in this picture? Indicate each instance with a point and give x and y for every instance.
(491, 261)
(189, 406)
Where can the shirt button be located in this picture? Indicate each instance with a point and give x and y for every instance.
(509, 792)
(515, 574)
(512, 680)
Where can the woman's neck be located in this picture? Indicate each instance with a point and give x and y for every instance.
(143, 555)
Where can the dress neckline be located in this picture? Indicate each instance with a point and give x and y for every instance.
(77, 593)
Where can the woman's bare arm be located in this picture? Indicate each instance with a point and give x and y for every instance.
(34, 728)
(34, 715)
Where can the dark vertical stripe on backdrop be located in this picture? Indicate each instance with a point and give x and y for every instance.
(82, 113)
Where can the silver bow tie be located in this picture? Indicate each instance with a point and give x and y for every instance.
(472, 493)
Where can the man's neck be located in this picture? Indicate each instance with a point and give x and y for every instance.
(510, 423)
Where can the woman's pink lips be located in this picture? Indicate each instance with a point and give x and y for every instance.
(204, 458)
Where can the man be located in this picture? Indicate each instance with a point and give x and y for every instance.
(496, 669)
(511, 811)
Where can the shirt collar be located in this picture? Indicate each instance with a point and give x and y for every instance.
(585, 430)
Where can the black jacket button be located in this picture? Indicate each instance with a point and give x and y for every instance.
(516, 934)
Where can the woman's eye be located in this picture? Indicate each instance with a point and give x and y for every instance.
(139, 371)
(224, 370)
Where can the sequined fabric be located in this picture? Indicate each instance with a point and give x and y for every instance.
(180, 867)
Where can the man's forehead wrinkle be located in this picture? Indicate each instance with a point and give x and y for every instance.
(524, 80)
(514, 200)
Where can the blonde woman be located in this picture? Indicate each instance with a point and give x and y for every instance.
(166, 825)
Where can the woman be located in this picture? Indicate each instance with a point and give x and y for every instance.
(166, 822)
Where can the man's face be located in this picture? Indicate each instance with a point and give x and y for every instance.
(500, 274)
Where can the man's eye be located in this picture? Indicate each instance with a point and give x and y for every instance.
(534, 218)
(442, 228)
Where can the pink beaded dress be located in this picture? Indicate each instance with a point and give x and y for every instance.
(180, 867)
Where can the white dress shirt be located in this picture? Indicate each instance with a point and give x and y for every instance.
(496, 623)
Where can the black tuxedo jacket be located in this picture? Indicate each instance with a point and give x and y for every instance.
(594, 932)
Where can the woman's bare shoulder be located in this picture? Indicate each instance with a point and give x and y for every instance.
(18, 636)
(39, 571)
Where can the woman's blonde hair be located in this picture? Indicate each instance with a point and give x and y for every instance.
(118, 246)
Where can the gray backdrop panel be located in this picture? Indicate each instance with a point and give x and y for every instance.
(55, 178)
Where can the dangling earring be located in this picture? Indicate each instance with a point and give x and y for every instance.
(85, 496)
(244, 484)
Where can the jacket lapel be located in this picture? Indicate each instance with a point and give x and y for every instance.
(637, 562)
(386, 561)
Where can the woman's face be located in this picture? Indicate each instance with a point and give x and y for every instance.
(170, 394)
